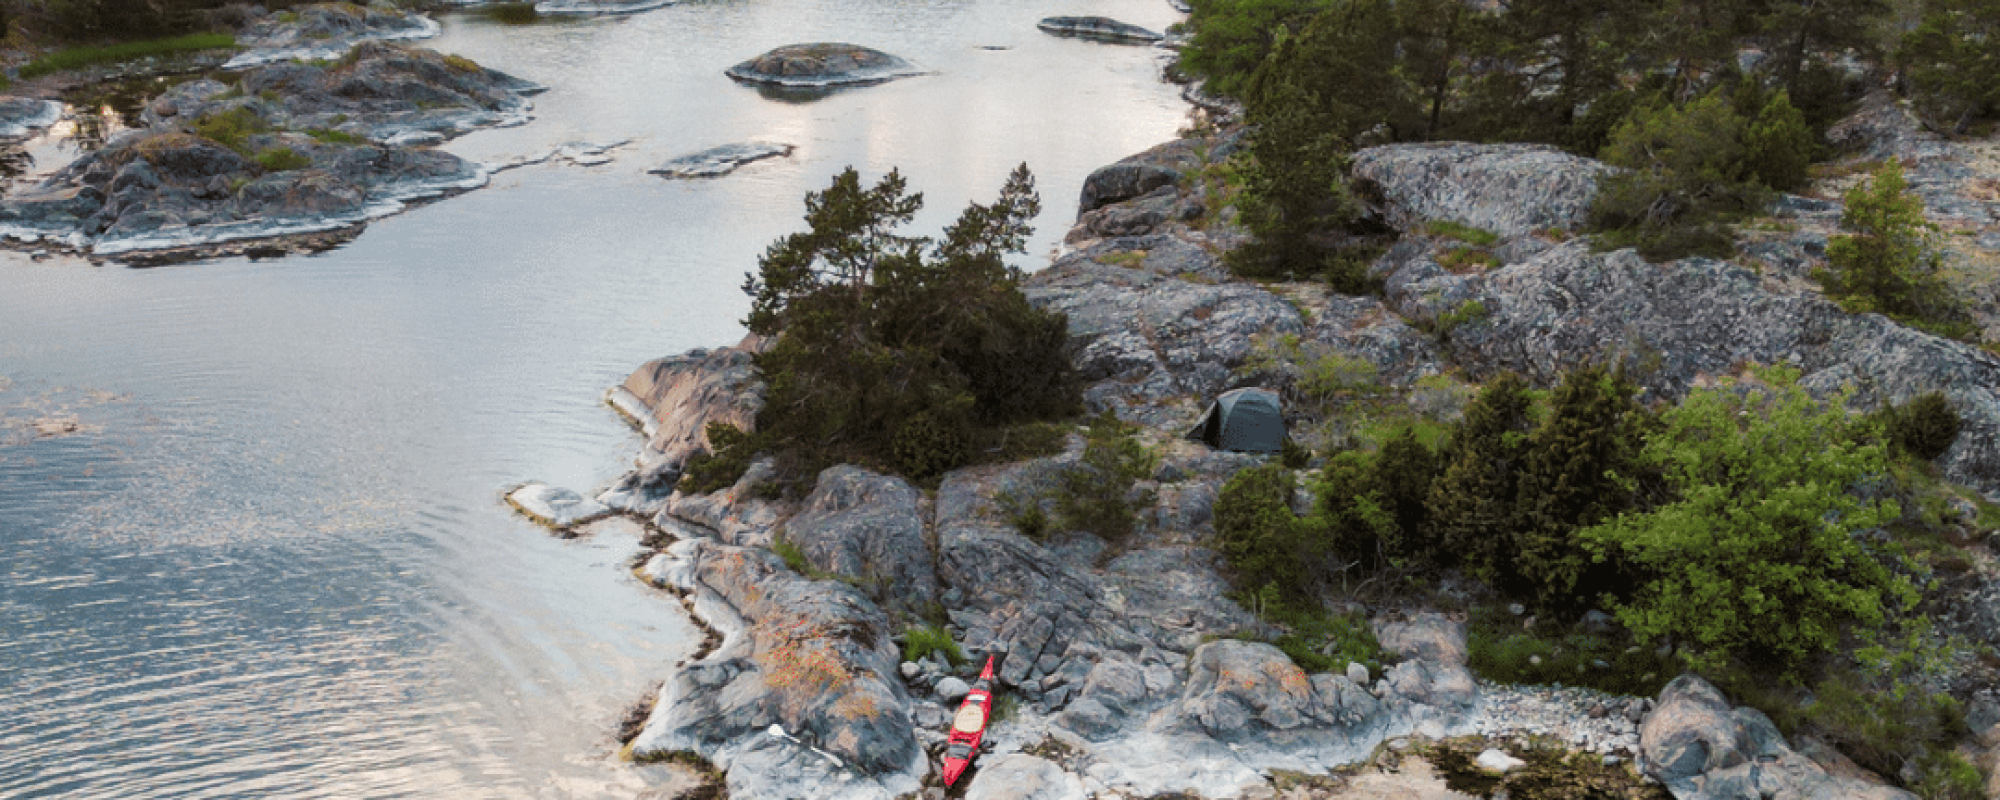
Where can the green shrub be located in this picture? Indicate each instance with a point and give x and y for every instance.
(1922, 428)
(232, 128)
(1683, 178)
(1095, 495)
(1946, 775)
(1294, 455)
(1263, 541)
(722, 465)
(794, 557)
(930, 443)
(919, 642)
(281, 159)
(1880, 728)
(1318, 641)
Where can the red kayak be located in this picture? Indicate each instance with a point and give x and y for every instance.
(969, 725)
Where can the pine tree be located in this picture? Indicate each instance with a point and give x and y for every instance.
(1950, 64)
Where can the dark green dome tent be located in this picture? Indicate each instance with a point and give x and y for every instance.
(1244, 420)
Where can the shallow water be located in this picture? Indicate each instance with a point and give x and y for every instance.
(251, 510)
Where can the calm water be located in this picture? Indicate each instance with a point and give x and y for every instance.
(250, 510)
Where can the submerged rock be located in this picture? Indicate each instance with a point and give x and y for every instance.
(717, 161)
(1099, 28)
(823, 64)
(586, 8)
(324, 31)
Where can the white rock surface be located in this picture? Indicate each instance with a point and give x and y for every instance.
(555, 507)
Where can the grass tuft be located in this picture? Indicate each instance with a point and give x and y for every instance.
(79, 57)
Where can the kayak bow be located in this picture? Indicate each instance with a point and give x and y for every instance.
(969, 725)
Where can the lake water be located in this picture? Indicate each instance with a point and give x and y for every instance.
(254, 542)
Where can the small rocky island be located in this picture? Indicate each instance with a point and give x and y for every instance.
(1123, 658)
(822, 65)
(325, 31)
(289, 148)
(1103, 29)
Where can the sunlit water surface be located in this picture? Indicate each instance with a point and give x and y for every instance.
(254, 543)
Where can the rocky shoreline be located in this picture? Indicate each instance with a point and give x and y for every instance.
(1122, 660)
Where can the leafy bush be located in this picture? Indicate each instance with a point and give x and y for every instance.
(1682, 177)
(919, 642)
(1946, 775)
(1318, 641)
(1757, 556)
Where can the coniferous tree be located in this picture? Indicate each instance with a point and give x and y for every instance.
(1577, 473)
(1472, 501)
(1950, 64)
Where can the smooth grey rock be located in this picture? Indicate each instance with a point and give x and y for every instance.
(820, 65)
(869, 527)
(682, 394)
(1100, 28)
(952, 689)
(718, 161)
(1510, 189)
(1123, 181)
(1019, 776)
(1428, 635)
(1358, 673)
(1703, 749)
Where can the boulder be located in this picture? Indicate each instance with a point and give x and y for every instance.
(719, 161)
(1019, 776)
(869, 527)
(824, 64)
(1703, 749)
(1102, 29)
(1250, 693)
(1510, 189)
(1123, 181)
(801, 698)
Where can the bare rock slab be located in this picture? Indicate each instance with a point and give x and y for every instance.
(718, 161)
(554, 506)
(822, 65)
